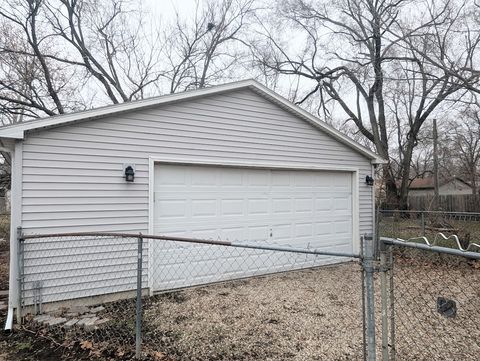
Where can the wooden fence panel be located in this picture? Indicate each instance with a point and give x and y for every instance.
(448, 203)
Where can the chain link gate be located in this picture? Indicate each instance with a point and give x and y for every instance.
(430, 300)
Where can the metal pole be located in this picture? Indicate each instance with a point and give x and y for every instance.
(138, 323)
(435, 165)
(368, 262)
(20, 260)
(393, 349)
(431, 248)
(363, 306)
(423, 224)
(383, 286)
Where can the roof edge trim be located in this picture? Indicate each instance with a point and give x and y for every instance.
(17, 131)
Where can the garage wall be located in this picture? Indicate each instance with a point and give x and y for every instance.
(73, 175)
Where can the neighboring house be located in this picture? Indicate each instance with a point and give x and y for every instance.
(235, 161)
(451, 186)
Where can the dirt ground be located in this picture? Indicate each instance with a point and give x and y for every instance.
(307, 315)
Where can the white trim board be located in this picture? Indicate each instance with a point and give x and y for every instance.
(15, 222)
(18, 131)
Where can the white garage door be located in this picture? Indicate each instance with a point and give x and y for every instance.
(298, 208)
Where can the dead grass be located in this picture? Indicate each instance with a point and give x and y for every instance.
(316, 315)
(423, 333)
(4, 264)
(400, 226)
(306, 315)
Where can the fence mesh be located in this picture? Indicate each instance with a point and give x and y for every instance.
(289, 315)
(437, 305)
(79, 291)
(200, 301)
(4, 262)
(4, 250)
(413, 224)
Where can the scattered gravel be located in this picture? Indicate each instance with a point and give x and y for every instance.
(316, 315)
(306, 315)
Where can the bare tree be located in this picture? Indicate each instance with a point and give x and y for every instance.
(110, 44)
(31, 83)
(465, 146)
(54, 52)
(374, 60)
(208, 47)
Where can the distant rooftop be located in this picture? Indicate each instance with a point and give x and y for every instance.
(428, 183)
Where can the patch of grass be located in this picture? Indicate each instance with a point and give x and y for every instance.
(395, 226)
(5, 226)
(4, 264)
(21, 346)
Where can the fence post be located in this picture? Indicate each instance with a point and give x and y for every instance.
(368, 267)
(384, 301)
(393, 352)
(423, 223)
(138, 318)
(20, 260)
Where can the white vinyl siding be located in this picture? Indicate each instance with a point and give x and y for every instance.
(83, 162)
(73, 174)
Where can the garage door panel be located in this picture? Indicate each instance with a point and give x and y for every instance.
(258, 232)
(232, 178)
(258, 205)
(258, 178)
(169, 208)
(203, 207)
(231, 207)
(296, 208)
(304, 205)
(171, 176)
(280, 179)
(282, 205)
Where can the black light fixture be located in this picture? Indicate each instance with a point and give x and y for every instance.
(369, 180)
(129, 173)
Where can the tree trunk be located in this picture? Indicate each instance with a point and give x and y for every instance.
(405, 176)
(391, 193)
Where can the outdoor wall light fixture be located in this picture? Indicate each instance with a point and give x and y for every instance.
(369, 180)
(129, 173)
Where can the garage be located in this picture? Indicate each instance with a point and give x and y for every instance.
(231, 162)
(298, 208)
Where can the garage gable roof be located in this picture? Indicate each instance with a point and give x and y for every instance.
(17, 131)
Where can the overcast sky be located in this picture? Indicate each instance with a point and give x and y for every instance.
(166, 8)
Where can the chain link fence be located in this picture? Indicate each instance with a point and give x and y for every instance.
(430, 301)
(80, 290)
(4, 260)
(429, 224)
(202, 299)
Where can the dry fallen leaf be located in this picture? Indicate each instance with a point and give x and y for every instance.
(86, 345)
(158, 355)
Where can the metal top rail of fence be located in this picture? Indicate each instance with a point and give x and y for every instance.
(427, 246)
(407, 211)
(237, 244)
